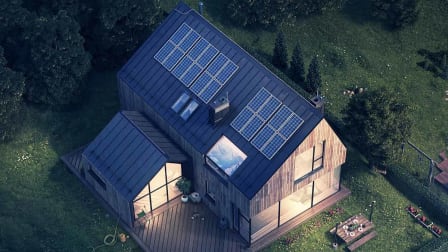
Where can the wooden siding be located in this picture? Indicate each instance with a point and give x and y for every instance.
(115, 200)
(76, 163)
(225, 194)
(282, 183)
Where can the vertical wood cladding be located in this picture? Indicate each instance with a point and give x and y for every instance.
(282, 183)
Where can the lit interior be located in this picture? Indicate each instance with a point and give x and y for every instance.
(226, 155)
(160, 189)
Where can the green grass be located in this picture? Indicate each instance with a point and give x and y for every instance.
(45, 208)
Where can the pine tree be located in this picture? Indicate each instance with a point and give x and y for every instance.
(297, 68)
(280, 56)
(313, 81)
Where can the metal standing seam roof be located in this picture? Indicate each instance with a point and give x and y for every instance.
(125, 154)
(160, 89)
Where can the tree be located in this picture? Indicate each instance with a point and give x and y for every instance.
(397, 13)
(313, 81)
(297, 67)
(121, 27)
(267, 13)
(57, 62)
(280, 55)
(378, 122)
(12, 85)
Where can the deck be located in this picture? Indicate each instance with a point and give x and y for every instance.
(193, 227)
(186, 227)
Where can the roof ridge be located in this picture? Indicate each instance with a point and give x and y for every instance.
(123, 112)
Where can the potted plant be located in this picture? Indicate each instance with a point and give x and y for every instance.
(184, 185)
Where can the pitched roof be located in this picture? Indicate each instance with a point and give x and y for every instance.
(160, 89)
(127, 156)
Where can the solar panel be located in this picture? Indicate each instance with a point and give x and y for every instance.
(195, 62)
(217, 64)
(261, 107)
(201, 83)
(241, 119)
(273, 146)
(198, 49)
(163, 53)
(182, 67)
(210, 91)
(291, 126)
(191, 74)
(269, 107)
(207, 56)
(280, 117)
(189, 40)
(181, 32)
(262, 137)
(226, 72)
(173, 58)
(259, 99)
(253, 126)
(266, 123)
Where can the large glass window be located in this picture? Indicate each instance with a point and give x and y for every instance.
(158, 197)
(160, 189)
(296, 203)
(308, 161)
(264, 222)
(324, 187)
(225, 156)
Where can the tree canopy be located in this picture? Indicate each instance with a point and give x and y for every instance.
(270, 13)
(378, 123)
(397, 13)
(120, 27)
(12, 85)
(57, 62)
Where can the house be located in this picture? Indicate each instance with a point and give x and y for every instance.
(195, 104)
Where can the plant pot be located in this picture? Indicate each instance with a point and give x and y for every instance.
(335, 245)
(184, 198)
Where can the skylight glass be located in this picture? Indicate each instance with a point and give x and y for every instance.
(226, 155)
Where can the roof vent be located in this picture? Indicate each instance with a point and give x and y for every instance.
(219, 109)
(318, 102)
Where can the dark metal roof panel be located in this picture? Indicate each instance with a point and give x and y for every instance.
(125, 156)
(172, 151)
(160, 89)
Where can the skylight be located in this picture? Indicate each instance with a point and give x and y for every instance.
(225, 155)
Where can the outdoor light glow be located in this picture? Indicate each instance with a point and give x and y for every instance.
(226, 155)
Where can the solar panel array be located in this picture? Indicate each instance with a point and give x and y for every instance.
(196, 63)
(266, 123)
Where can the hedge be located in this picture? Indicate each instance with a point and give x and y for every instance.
(435, 245)
(419, 193)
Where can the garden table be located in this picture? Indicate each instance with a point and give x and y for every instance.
(353, 228)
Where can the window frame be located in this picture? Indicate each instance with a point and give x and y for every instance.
(314, 159)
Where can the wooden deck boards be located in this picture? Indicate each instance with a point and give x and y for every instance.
(187, 227)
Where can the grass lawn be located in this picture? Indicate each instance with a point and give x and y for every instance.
(45, 208)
